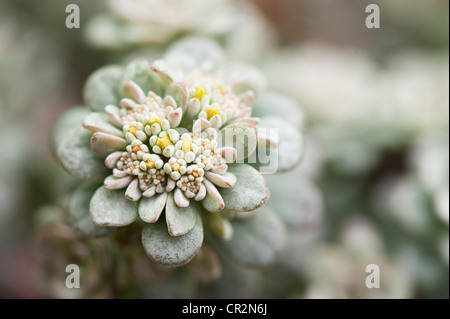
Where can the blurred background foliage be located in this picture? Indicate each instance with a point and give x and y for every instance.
(376, 107)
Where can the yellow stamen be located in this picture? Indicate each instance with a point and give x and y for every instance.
(133, 130)
(153, 121)
(211, 112)
(186, 146)
(199, 92)
(163, 142)
(150, 164)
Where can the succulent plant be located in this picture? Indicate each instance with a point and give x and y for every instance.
(176, 146)
(126, 25)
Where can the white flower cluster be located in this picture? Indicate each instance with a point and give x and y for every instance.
(162, 155)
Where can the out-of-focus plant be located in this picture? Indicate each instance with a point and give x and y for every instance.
(338, 270)
(127, 26)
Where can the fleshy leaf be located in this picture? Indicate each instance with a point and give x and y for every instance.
(79, 207)
(302, 209)
(150, 208)
(77, 158)
(99, 122)
(70, 119)
(180, 220)
(213, 201)
(259, 240)
(273, 104)
(190, 52)
(242, 137)
(104, 144)
(179, 91)
(291, 143)
(169, 250)
(249, 192)
(205, 266)
(103, 88)
(111, 208)
(244, 78)
(140, 72)
(220, 225)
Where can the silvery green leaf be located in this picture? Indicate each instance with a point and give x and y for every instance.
(191, 52)
(99, 122)
(103, 144)
(278, 104)
(70, 119)
(220, 225)
(169, 250)
(111, 208)
(242, 137)
(79, 207)
(77, 158)
(140, 72)
(103, 88)
(180, 220)
(244, 78)
(179, 91)
(259, 240)
(291, 143)
(213, 201)
(150, 208)
(249, 192)
(299, 209)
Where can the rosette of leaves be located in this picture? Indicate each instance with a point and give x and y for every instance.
(152, 145)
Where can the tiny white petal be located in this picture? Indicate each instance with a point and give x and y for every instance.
(153, 140)
(167, 168)
(129, 137)
(141, 135)
(156, 149)
(175, 175)
(189, 157)
(165, 125)
(168, 151)
(159, 163)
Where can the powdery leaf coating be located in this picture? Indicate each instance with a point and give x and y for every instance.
(291, 148)
(257, 241)
(104, 144)
(242, 137)
(169, 250)
(213, 201)
(220, 225)
(250, 191)
(103, 87)
(79, 207)
(77, 158)
(98, 122)
(111, 208)
(69, 120)
(150, 208)
(274, 104)
(301, 209)
(179, 91)
(180, 220)
(140, 72)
